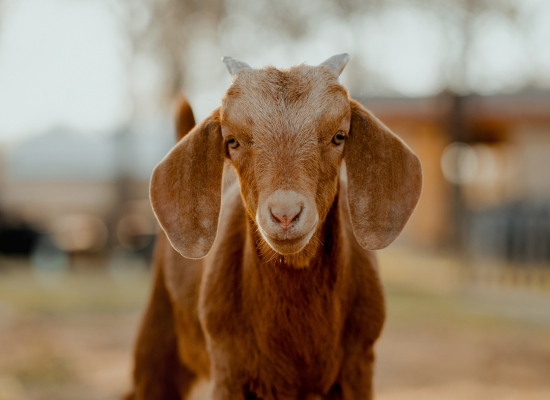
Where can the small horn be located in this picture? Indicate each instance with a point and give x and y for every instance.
(336, 63)
(235, 66)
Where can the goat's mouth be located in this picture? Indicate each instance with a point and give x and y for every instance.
(286, 243)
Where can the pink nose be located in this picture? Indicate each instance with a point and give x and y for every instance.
(285, 215)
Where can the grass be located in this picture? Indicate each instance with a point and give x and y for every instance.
(89, 292)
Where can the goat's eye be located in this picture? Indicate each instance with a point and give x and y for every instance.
(338, 139)
(232, 142)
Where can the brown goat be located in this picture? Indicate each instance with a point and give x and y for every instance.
(287, 302)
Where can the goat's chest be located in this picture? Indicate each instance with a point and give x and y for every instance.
(297, 340)
(280, 332)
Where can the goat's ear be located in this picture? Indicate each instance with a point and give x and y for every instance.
(384, 180)
(186, 189)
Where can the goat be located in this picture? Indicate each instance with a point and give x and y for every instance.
(277, 295)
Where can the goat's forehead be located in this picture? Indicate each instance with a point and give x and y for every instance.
(295, 98)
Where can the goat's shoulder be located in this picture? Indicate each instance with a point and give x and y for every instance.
(232, 225)
(366, 301)
(182, 275)
(222, 266)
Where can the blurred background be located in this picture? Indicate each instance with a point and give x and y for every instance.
(87, 94)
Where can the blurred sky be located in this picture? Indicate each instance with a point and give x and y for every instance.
(60, 64)
(66, 63)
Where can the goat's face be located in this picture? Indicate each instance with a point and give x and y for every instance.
(284, 131)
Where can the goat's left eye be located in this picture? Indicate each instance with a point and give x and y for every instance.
(339, 138)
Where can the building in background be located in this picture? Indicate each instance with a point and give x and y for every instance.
(486, 163)
(90, 193)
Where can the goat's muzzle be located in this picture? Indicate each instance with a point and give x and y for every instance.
(287, 220)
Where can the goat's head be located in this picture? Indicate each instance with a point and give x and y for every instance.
(286, 133)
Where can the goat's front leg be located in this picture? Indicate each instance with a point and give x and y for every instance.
(355, 377)
(158, 372)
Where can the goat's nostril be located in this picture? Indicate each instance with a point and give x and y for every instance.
(286, 217)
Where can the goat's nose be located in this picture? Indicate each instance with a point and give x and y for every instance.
(286, 215)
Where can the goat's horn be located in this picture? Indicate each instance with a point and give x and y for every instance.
(235, 66)
(337, 63)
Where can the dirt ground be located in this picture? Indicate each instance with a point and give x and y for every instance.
(70, 336)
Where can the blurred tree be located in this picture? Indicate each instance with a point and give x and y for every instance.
(173, 31)
(463, 17)
(161, 28)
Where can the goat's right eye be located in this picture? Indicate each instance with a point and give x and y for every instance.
(232, 142)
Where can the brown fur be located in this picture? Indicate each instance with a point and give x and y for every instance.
(185, 120)
(257, 320)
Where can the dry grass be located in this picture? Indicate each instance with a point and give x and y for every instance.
(70, 336)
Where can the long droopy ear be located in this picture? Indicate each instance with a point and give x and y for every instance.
(384, 180)
(186, 189)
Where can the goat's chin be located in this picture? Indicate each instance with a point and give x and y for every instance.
(288, 246)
